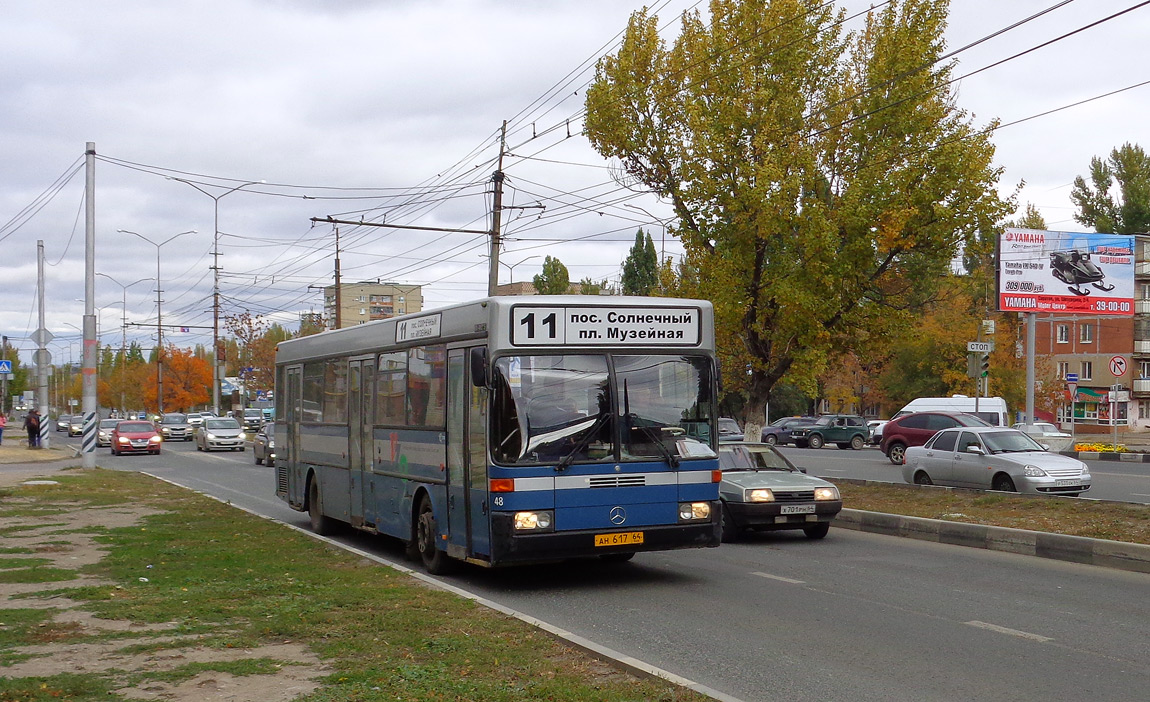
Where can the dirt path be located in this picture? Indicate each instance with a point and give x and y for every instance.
(66, 540)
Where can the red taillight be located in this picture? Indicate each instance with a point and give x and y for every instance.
(502, 485)
(716, 476)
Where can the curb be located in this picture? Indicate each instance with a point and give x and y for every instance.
(1076, 549)
(1108, 456)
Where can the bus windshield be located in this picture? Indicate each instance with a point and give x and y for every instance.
(585, 407)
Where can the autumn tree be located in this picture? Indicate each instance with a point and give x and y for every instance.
(823, 181)
(554, 279)
(641, 267)
(1126, 211)
(187, 381)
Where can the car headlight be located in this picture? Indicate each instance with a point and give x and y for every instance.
(534, 521)
(1033, 472)
(694, 511)
(154, 440)
(1085, 471)
(125, 440)
(271, 444)
(758, 495)
(211, 436)
(827, 493)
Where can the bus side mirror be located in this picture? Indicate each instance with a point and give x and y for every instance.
(479, 367)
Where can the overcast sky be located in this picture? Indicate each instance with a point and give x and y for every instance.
(364, 109)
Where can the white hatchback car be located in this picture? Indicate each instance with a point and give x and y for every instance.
(219, 434)
(994, 458)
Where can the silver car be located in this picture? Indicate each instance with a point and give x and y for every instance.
(174, 426)
(104, 431)
(264, 445)
(219, 434)
(994, 458)
(762, 490)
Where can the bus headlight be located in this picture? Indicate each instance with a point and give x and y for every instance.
(759, 495)
(533, 521)
(694, 511)
(827, 493)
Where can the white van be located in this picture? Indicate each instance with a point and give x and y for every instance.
(990, 409)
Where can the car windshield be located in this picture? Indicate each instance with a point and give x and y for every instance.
(134, 427)
(221, 423)
(1009, 441)
(269, 430)
(253, 414)
(174, 419)
(109, 423)
(767, 458)
(578, 407)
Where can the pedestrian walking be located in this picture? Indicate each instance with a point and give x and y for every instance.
(32, 424)
(3, 423)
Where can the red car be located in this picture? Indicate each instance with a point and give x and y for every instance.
(916, 429)
(134, 436)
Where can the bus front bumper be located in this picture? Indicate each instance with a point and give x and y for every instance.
(509, 546)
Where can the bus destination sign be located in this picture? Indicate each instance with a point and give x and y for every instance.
(605, 326)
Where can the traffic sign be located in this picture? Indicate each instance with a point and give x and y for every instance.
(1118, 366)
(42, 337)
(1071, 378)
(980, 346)
(5, 366)
(1072, 388)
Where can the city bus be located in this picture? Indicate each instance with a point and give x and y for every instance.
(508, 430)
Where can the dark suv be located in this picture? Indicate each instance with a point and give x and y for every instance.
(253, 419)
(842, 430)
(916, 429)
(779, 431)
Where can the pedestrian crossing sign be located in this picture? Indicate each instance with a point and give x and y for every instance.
(5, 366)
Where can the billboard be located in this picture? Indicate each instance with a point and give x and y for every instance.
(1065, 272)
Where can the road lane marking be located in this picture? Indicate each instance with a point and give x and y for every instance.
(1009, 632)
(780, 578)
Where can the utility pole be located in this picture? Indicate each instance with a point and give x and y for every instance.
(91, 343)
(496, 215)
(338, 286)
(42, 338)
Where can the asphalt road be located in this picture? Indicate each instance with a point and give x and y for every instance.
(1112, 480)
(855, 616)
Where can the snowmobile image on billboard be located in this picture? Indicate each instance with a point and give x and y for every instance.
(1075, 268)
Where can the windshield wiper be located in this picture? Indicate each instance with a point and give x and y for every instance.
(672, 459)
(566, 461)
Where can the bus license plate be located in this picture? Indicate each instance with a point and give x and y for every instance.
(623, 538)
(797, 509)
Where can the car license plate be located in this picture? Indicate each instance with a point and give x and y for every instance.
(1065, 483)
(797, 509)
(623, 538)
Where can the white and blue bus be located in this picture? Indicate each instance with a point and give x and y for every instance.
(508, 430)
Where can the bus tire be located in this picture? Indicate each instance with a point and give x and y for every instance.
(320, 523)
(435, 561)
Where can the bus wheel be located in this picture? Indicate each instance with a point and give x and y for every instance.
(320, 524)
(435, 561)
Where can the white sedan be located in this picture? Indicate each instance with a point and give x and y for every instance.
(994, 458)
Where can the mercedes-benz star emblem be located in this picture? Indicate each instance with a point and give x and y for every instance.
(618, 515)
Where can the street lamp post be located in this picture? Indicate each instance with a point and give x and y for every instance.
(216, 376)
(123, 330)
(159, 314)
(511, 268)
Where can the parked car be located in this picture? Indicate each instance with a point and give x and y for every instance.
(104, 432)
(729, 430)
(134, 436)
(220, 433)
(76, 425)
(994, 458)
(842, 430)
(779, 431)
(264, 445)
(763, 491)
(875, 426)
(174, 426)
(253, 419)
(916, 429)
(1038, 430)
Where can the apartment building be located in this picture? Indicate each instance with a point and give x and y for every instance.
(369, 300)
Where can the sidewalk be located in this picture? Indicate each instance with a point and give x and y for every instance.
(1137, 445)
(19, 463)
